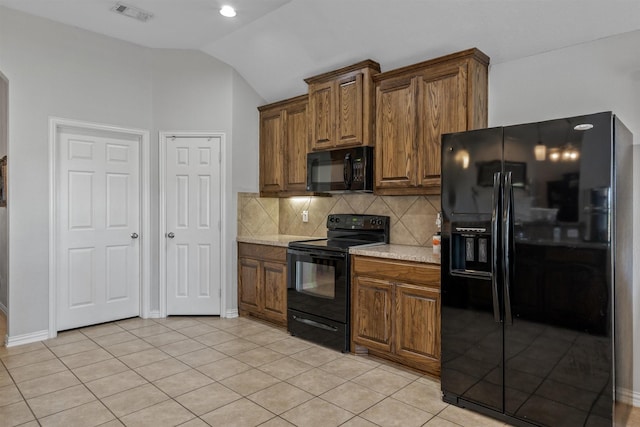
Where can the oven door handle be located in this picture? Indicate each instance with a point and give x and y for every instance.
(317, 254)
(314, 323)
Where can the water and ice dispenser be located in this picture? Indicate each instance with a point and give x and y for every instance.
(471, 254)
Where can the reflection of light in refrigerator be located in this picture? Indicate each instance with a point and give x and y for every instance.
(462, 157)
(568, 153)
(540, 151)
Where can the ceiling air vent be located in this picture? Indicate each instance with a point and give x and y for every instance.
(132, 12)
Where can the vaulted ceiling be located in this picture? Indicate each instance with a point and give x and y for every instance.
(275, 44)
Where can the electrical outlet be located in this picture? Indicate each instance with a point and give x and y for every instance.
(305, 216)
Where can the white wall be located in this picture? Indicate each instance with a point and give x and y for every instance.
(57, 70)
(599, 76)
(244, 166)
(192, 91)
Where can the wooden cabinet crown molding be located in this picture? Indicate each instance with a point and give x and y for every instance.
(330, 75)
(473, 53)
(284, 103)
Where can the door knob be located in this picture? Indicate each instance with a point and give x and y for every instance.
(134, 235)
(171, 235)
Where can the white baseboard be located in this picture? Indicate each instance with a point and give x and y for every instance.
(154, 314)
(231, 313)
(27, 338)
(628, 397)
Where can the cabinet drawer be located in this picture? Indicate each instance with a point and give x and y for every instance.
(404, 271)
(264, 252)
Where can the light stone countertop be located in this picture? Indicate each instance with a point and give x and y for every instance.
(400, 252)
(273, 239)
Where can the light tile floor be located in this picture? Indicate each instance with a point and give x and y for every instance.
(199, 371)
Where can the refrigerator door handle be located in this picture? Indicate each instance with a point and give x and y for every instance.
(497, 178)
(507, 228)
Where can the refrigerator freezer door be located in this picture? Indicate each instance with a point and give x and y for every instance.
(471, 326)
(558, 347)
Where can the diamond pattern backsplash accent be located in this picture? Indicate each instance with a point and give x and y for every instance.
(413, 218)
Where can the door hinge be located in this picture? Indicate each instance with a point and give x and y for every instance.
(220, 293)
(219, 225)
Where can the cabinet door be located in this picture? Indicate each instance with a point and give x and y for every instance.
(395, 134)
(249, 277)
(442, 92)
(417, 334)
(371, 313)
(349, 111)
(271, 155)
(321, 101)
(297, 142)
(275, 291)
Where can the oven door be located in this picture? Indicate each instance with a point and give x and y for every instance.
(318, 283)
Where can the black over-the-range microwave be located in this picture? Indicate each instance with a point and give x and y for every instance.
(348, 169)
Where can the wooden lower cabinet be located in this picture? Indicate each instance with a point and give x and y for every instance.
(262, 282)
(372, 308)
(396, 311)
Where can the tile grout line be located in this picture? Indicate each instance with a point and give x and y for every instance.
(234, 357)
(15, 384)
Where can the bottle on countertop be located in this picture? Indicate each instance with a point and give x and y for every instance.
(436, 237)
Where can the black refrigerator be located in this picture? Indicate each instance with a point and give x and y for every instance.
(537, 230)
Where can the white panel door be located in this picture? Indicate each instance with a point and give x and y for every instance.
(98, 221)
(192, 225)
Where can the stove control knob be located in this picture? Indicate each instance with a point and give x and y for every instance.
(331, 219)
(337, 219)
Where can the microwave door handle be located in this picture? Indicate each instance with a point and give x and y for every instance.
(347, 172)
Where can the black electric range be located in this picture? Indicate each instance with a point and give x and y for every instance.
(318, 284)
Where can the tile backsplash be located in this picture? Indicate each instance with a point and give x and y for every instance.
(412, 217)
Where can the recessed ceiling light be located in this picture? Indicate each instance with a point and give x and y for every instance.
(132, 12)
(227, 11)
(583, 126)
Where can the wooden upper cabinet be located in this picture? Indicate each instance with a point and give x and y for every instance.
(442, 109)
(271, 152)
(322, 115)
(284, 141)
(341, 106)
(395, 134)
(415, 105)
(296, 146)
